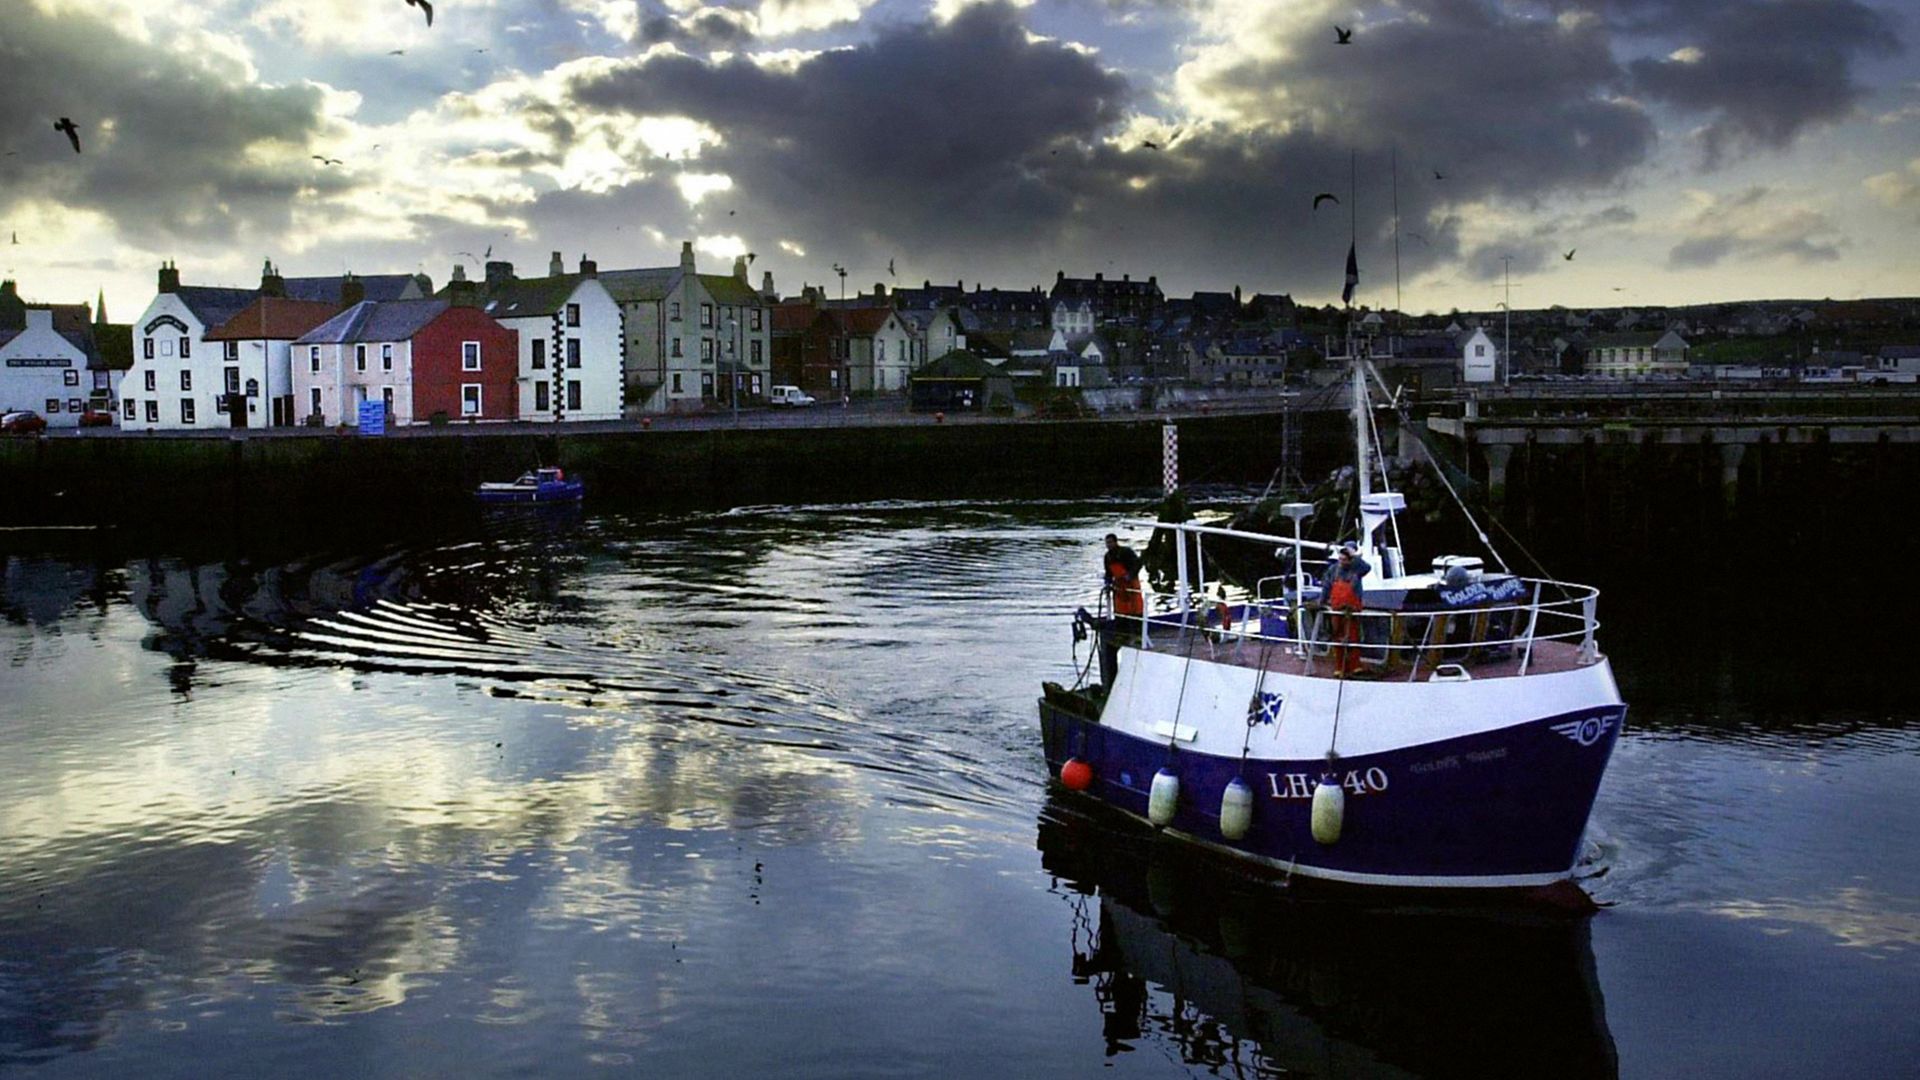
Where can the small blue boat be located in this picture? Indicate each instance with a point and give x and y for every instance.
(547, 485)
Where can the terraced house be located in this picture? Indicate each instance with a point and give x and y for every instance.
(569, 329)
(690, 338)
(48, 359)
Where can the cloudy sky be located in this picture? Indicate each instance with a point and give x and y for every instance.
(1682, 150)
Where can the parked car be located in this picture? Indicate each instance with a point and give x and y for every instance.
(791, 396)
(24, 422)
(96, 418)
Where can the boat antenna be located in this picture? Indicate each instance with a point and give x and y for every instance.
(1397, 306)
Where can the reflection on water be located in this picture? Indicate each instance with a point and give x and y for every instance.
(756, 791)
(1239, 976)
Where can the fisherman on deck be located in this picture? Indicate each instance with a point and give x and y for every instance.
(1342, 588)
(1121, 568)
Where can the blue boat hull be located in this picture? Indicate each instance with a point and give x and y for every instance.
(1503, 808)
(567, 491)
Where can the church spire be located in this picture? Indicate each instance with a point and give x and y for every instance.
(100, 309)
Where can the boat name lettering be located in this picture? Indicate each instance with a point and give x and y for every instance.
(1451, 761)
(1494, 754)
(1481, 592)
(1300, 785)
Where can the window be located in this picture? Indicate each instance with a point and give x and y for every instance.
(756, 385)
(253, 387)
(756, 318)
(186, 379)
(359, 358)
(573, 394)
(74, 404)
(186, 410)
(186, 346)
(706, 315)
(313, 358)
(539, 354)
(1479, 350)
(146, 348)
(706, 350)
(150, 380)
(880, 347)
(673, 311)
(220, 404)
(573, 314)
(53, 405)
(706, 384)
(230, 351)
(233, 380)
(130, 405)
(469, 356)
(153, 412)
(313, 400)
(573, 352)
(166, 347)
(676, 382)
(542, 396)
(386, 357)
(386, 398)
(469, 399)
(754, 352)
(676, 347)
(70, 378)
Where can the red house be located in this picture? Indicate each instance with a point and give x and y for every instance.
(459, 353)
(421, 357)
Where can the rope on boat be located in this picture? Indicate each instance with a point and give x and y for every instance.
(1254, 706)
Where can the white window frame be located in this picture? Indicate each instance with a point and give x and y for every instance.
(70, 377)
(186, 378)
(359, 358)
(187, 412)
(186, 347)
(153, 410)
(706, 316)
(479, 399)
(539, 354)
(573, 314)
(470, 356)
(542, 396)
(313, 358)
(386, 356)
(314, 399)
(230, 350)
(573, 352)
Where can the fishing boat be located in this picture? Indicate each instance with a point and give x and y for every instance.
(1449, 735)
(543, 485)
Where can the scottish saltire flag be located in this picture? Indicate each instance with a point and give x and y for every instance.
(1353, 276)
(1266, 709)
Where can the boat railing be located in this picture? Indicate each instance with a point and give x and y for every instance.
(1385, 640)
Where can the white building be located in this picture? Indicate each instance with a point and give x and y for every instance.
(1479, 358)
(176, 380)
(570, 342)
(364, 353)
(255, 348)
(1072, 317)
(42, 368)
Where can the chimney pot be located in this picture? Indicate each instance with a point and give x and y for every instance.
(169, 278)
(588, 268)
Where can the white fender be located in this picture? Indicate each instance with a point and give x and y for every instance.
(1163, 797)
(1329, 810)
(1236, 809)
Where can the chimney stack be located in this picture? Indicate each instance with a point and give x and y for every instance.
(169, 277)
(499, 272)
(686, 256)
(271, 283)
(555, 267)
(352, 290)
(766, 287)
(740, 268)
(588, 268)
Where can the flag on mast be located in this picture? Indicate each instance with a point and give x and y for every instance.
(1353, 277)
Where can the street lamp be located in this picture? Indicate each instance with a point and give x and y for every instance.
(733, 366)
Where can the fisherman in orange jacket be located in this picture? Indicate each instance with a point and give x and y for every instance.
(1121, 566)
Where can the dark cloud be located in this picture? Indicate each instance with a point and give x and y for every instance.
(708, 28)
(1765, 71)
(166, 143)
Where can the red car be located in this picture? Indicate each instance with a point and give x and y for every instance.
(96, 418)
(24, 422)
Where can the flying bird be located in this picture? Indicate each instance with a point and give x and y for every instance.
(1438, 175)
(890, 272)
(325, 160)
(1340, 37)
(16, 237)
(489, 253)
(425, 8)
(1174, 135)
(1569, 255)
(1416, 236)
(730, 213)
(396, 52)
(1325, 196)
(72, 131)
(1148, 144)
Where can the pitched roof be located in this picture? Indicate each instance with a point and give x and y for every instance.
(524, 297)
(393, 320)
(213, 305)
(114, 342)
(788, 318)
(959, 365)
(376, 286)
(1612, 341)
(727, 289)
(861, 322)
(274, 319)
(631, 286)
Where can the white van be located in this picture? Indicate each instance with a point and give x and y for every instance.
(789, 395)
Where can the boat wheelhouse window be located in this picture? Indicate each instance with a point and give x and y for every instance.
(469, 399)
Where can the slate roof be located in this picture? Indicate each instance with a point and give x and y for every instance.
(792, 318)
(959, 365)
(1647, 338)
(726, 289)
(377, 287)
(1900, 352)
(274, 319)
(525, 297)
(213, 305)
(861, 322)
(632, 286)
(394, 320)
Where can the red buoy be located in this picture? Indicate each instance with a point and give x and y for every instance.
(1077, 775)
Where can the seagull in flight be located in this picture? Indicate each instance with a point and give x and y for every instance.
(1438, 175)
(489, 253)
(1148, 144)
(1340, 37)
(425, 7)
(1569, 255)
(1325, 196)
(396, 52)
(890, 272)
(72, 131)
(325, 160)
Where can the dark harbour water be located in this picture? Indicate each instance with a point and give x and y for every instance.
(760, 793)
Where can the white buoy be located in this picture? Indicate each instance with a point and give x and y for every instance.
(1236, 809)
(1329, 810)
(1163, 796)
